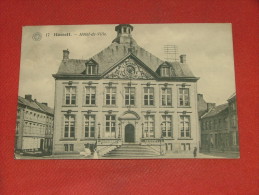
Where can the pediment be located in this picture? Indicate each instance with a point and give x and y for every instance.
(129, 68)
(129, 115)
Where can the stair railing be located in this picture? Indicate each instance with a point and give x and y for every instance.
(110, 145)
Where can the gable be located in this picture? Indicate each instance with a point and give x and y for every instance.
(129, 68)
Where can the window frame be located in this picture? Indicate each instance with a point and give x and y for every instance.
(91, 88)
(185, 126)
(131, 96)
(113, 96)
(148, 127)
(148, 94)
(111, 133)
(70, 124)
(91, 120)
(167, 131)
(166, 91)
(164, 70)
(70, 96)
(183, 97)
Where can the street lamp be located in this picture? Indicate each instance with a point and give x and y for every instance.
(142, 124)
(119, 136)
(161, 138)
(99, 127)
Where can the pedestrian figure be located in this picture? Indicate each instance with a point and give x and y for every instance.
(195, 152)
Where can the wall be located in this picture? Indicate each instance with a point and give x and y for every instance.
(100, 110)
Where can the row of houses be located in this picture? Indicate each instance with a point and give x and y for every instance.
(34, 126)
(218, 125)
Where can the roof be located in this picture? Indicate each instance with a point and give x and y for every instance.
(232, 96)
(114, 53)
(45, 108)
(31, 104)
(36, 105)
(215, 111)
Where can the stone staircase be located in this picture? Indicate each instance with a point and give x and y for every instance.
(127, 151)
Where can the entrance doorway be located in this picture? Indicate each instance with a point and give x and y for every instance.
(129, 133)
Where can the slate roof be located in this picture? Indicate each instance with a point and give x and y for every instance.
(215, 111)
(28, 103)
(36, 105)
(114, 53)
(45, 108)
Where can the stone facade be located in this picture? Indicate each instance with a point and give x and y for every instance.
(219, 128)
(34, 126)
(103, 102)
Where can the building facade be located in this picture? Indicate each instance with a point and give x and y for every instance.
(34, 126)
(219, 127)
(124, 94)
(233, 123)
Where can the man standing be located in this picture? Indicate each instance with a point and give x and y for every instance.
(195, 152)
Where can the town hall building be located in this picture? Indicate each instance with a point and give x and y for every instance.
(125, 96)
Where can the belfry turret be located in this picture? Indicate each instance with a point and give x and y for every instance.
(124, 34)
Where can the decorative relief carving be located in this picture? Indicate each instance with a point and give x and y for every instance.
(129, 69)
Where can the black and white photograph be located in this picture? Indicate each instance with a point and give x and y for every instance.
(127, 91)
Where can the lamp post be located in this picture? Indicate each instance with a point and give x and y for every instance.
(119, 136)
(161, 138)
(99, 127)
(142, 124)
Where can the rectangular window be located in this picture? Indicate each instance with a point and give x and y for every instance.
(90, 95)
(69, 126)
(110, 126)
(91, 69)
(148, 96)
(184, 98)
(185, 127)
(89, 126)
(166, 97)
(167, 126)
(165, 71)
(66, 147)
(110, 96)
(149, 126)
(70, 95)
(71, 147)
(129, 96)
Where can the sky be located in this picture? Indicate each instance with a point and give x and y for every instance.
(208, 47)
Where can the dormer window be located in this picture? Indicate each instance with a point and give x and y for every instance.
(91, 68)
(165, 71)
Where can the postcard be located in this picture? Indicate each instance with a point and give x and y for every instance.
(127, 91)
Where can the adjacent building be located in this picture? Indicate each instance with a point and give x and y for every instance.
(124, 94)
(219, 130)
(233, 127)
(34, 126)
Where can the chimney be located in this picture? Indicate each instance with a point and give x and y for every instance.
(46, 104)
(65, 54)
(183, 58)
(28, 97)
(200, 96)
